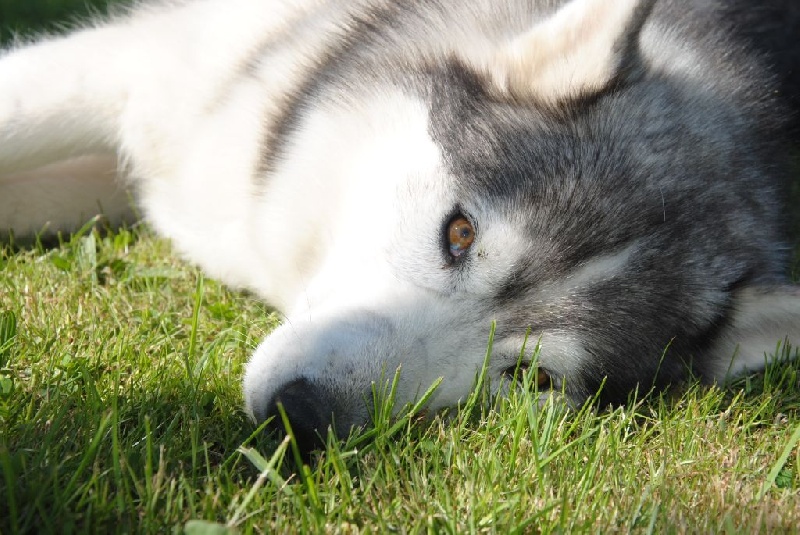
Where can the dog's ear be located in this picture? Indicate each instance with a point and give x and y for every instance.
(577, 52)
(761, 318)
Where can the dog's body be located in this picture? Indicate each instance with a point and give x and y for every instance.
(395, 176)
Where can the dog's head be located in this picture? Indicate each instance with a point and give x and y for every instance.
(579, 193)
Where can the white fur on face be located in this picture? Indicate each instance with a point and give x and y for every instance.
(347, 306)
(374, 293)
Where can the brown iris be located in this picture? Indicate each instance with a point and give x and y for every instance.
(460, 234)
(542, 379)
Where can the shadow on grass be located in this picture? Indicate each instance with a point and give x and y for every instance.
(127, 456)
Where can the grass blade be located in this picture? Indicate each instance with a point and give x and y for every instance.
(779, 464)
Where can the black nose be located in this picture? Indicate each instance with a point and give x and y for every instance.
(309, 412)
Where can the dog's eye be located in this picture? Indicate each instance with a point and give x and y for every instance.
(460, 235)
(541, 377)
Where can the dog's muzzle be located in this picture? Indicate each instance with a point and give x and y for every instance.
(319, 374)
(330, 369)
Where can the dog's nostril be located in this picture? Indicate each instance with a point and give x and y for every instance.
(308, 410)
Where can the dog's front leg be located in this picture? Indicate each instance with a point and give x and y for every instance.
(134, 90)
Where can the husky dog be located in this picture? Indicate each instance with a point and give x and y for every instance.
(602, 177)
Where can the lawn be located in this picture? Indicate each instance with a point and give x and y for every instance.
(31, 16)
(121, 411)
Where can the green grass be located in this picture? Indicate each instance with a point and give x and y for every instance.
(120, 411)
(30, 17)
